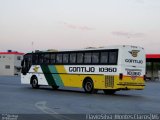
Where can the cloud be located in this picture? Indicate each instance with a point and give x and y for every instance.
(78, 27)
(128, 34)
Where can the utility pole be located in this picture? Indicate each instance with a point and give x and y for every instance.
(32, 46)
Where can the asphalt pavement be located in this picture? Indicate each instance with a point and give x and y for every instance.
(16, 98)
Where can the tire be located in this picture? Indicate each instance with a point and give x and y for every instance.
(89, 86)
(54, 87)
(109, 92)
(34, 83)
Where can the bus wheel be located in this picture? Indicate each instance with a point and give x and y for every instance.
(54, 87)
(89, 86)
(109, 92)
(35, 83)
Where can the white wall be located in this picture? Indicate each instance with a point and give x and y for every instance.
(10, 60)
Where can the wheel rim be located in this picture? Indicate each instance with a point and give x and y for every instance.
(88, 86)
(34, 83)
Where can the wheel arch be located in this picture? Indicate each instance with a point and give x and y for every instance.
(86, 79)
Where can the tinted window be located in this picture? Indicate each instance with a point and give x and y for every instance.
(65, 58)
(27, 62)
(113, 57)
(30, 60)
(52, 58)
(87, 58)
(79, 57)
(95, 57)
(7, 66)
(18, 57)
(104, 57)
(73, 58)
(59, 58)
(46, 58)
(35, 59)
(28, 57)
(41, 58)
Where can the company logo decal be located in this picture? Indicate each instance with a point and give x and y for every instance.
(134, 53)
(36, 69)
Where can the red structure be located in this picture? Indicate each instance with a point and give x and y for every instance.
(153, 56)
(11, 53)
(153, 66)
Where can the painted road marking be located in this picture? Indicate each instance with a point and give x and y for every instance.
(41, 105)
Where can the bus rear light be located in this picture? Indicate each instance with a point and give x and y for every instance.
(120, 76)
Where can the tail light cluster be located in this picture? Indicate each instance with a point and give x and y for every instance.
(120, 76)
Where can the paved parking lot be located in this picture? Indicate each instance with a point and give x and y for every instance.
(22, 99)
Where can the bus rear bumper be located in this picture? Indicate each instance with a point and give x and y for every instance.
(131, 86)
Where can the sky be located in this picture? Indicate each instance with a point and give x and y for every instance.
(27, 25)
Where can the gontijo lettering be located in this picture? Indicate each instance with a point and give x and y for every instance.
(92, 69)
(133, 61)
(81, 69)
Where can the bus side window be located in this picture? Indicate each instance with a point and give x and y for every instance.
(87, 58)
(29, 60)
(95, 57)
(26, 63)
(113, 57)
(72, 58)
(104, 57)
(59, 58)
(46, 58)
(53, 58)
(41, 58)
(65, 58)
(35, 59)
(79, 57)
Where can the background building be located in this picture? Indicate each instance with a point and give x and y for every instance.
(10, 63)
(153, 66)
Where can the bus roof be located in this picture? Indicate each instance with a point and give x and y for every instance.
(88, 49)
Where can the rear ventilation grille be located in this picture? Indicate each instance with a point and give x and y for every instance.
(109, 81)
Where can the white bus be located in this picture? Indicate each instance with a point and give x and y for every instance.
(109, 69)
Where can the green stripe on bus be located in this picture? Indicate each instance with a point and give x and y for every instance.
(48, 75)
(56, 76)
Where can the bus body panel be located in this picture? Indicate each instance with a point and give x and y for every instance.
(62, 77)
(130, 63)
